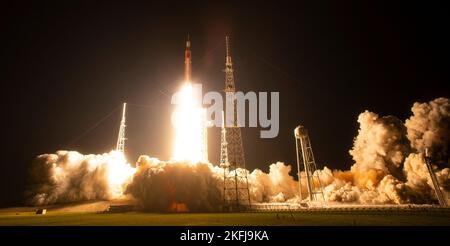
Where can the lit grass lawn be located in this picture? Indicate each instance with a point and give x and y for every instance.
(198, 219)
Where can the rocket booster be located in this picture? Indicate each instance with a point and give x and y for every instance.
(187, 61)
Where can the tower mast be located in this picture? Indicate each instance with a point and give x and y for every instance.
(121, 138)
(236, 194)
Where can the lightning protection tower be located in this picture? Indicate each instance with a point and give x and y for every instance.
(305, 158)
(236, 195)
(121, 139)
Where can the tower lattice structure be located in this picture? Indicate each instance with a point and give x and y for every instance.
(236, 195)
(121, 138)
(305, 158)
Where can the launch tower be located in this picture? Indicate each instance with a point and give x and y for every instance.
(236, 195)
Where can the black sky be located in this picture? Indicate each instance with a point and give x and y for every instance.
(67, 65)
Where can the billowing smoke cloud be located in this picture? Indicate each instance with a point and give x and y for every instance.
(429, 127)
(379, 149)
(388, 168)
(175, 186)
(276, 186)
(389, 165)
(169, 186)
(69, 176)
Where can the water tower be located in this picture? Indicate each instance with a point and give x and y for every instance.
(307, 165)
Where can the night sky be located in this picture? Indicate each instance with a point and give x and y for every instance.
(68, 66)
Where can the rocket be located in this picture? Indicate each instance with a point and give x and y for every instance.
(187, 61)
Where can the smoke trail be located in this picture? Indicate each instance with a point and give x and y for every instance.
(69, 176)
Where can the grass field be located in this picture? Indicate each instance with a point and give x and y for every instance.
(57, 218)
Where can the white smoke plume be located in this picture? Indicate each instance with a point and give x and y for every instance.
(276, 186)
(388, 168)
(69, 176)
(173, 186)
(379, 149)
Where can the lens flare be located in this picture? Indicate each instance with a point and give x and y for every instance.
(189, 120)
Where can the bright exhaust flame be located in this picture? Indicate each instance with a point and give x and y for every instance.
(189, 120)
(119, 172)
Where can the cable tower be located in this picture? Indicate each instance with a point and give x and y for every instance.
(121, 139)
(305, 158)
(236, 195)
